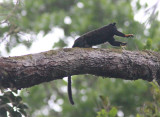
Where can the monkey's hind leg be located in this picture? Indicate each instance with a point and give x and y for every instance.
(123, 47)
(70, 90)
(113, 42)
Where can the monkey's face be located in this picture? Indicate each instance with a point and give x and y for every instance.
(114, 26)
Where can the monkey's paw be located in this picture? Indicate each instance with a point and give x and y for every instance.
(129, 35)
(123, 47)
(123, 44)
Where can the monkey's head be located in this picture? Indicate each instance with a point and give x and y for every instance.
(113, 27)
(114, 24)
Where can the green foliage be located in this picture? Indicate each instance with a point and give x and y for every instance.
(12, 104)
(37, 96)
(112, 112)
(108, 111)
(138, 115)
(151, 108)
(102, 113)
(125, 94)
(32, 17)
(60, 43)
(148, 44)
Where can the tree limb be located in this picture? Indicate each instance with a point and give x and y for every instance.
(29, 70)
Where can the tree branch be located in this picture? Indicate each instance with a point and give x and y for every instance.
(29, 70)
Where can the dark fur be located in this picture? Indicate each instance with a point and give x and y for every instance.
(100, 36)
(97, 37)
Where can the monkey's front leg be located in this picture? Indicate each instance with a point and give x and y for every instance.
(123, 35)
(129, 35)
(113, 42)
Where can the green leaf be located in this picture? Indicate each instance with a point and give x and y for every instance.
(138, 4)
(105, 100)
(4, 100)
(10, 110)
(16, 114)
(60, 43)
(148, 44)
(138, 115)
(3, 112)
(15, 90)
(18, 99)
(23, 112)
(22, 106)
(102, 113)
(10, 96)
(113, 112)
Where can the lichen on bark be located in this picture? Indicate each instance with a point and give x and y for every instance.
(29, 70)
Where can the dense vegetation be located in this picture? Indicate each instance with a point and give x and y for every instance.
(93, 96)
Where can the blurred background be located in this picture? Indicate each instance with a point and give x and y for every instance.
(28, 26)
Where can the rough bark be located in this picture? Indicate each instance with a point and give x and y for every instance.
(29, 70)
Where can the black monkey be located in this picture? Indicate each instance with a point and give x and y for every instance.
(100, 36)
(97, 37)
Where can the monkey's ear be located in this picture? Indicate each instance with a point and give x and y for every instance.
(114, 23)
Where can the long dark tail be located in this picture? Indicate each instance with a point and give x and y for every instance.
(70, 90)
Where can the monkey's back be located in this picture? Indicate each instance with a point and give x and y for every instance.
(94, 37)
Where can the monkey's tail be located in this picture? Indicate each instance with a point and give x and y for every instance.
(70, 90)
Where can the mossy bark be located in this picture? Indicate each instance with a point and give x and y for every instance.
(29, 70)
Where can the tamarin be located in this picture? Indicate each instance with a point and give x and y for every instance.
(96, 37)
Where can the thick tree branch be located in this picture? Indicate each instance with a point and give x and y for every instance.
(26, 71)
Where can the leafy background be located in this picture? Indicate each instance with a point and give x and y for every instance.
(94, 96)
